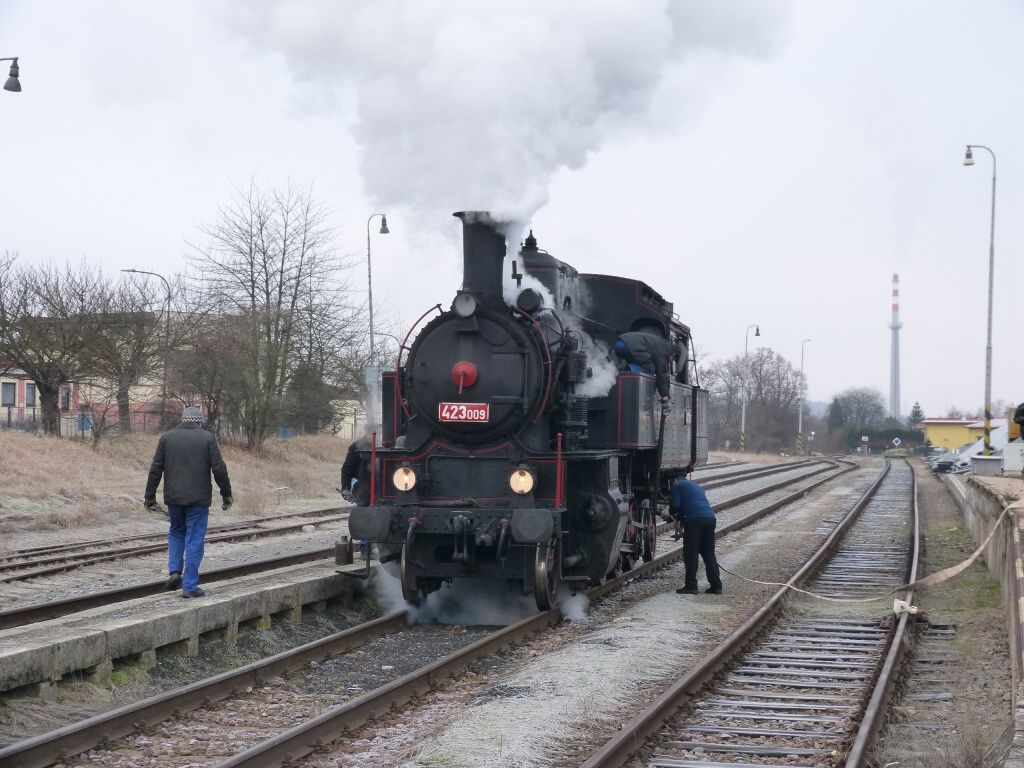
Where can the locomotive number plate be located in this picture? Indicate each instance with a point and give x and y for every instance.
(475, 413)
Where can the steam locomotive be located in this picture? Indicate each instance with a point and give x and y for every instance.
(513, 445)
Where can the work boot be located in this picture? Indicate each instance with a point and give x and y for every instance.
(714, 590)
(197, 592)
(173, 581)
(687, 591)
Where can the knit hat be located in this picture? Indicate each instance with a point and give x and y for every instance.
(193, 413)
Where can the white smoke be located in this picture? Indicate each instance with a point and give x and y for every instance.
(470, 602)
(511, 289)
(464, 105)
(603, 373)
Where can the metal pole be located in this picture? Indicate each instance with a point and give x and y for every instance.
(167, 335)
(800, 411)
(991, 274)
(369, 283)
(743, 402)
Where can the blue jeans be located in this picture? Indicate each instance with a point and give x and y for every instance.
(185, 543)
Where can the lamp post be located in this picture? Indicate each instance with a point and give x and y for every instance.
(743, 406)
(167, 334)
(969, 160)
(800, 412)
(369, 273)
(13, 84)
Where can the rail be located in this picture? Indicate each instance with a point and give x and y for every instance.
(620, 749)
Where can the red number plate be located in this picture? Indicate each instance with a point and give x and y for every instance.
(479, 413)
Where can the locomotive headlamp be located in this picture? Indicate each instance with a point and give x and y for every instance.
(521, 481)
(464, 304)
(404, 479)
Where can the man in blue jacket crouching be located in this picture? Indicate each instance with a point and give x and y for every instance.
(689, 504)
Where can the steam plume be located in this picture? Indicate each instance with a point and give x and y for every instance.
(464, 105)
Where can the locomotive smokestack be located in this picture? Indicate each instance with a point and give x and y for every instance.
(483, 256)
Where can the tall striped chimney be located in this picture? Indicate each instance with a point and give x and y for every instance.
(894, 363)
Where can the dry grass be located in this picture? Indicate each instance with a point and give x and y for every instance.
(967, 745)
(50, 483)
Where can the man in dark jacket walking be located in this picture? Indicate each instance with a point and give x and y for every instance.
(689, 504)
(185, 457)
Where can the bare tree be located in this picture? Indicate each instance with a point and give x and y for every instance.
(269, 263)
(46, 315)
(98, 406)
(862, 407)
(771, 386)
(131, 341)
(774, 390)
(724, 381)
(206, 367)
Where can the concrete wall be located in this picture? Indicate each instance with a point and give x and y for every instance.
(982, 507)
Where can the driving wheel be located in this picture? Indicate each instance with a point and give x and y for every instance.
(410, 590)
(650, 534)
(545, 575)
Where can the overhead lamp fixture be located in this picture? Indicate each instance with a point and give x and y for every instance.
(384, 225)
(13, 84)
(757, 330)
(969, 157)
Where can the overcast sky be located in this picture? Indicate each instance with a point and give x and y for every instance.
(755, 162)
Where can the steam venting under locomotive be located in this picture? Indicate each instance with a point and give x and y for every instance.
(513, 446)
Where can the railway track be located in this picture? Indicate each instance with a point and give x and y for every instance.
(28, 552)
(719, 479)
(806, 688)
(51, 609)
(292, 743)
(21, 568)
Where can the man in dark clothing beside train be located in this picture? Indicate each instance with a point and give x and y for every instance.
(689, 504)
(185, 458)
(355, 471)
(355, 475)
(649, 353)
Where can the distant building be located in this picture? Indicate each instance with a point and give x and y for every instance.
(19, 401)
(952, 433)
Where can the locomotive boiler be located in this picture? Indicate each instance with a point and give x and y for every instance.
(513, 444)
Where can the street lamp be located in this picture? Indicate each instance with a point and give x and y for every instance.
(743, 407)
(167, 333)
(369, 273)
(13, 84)
(800, 413)
(969, 160)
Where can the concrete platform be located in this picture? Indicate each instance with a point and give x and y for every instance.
(88, 643)
(1006, 487)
